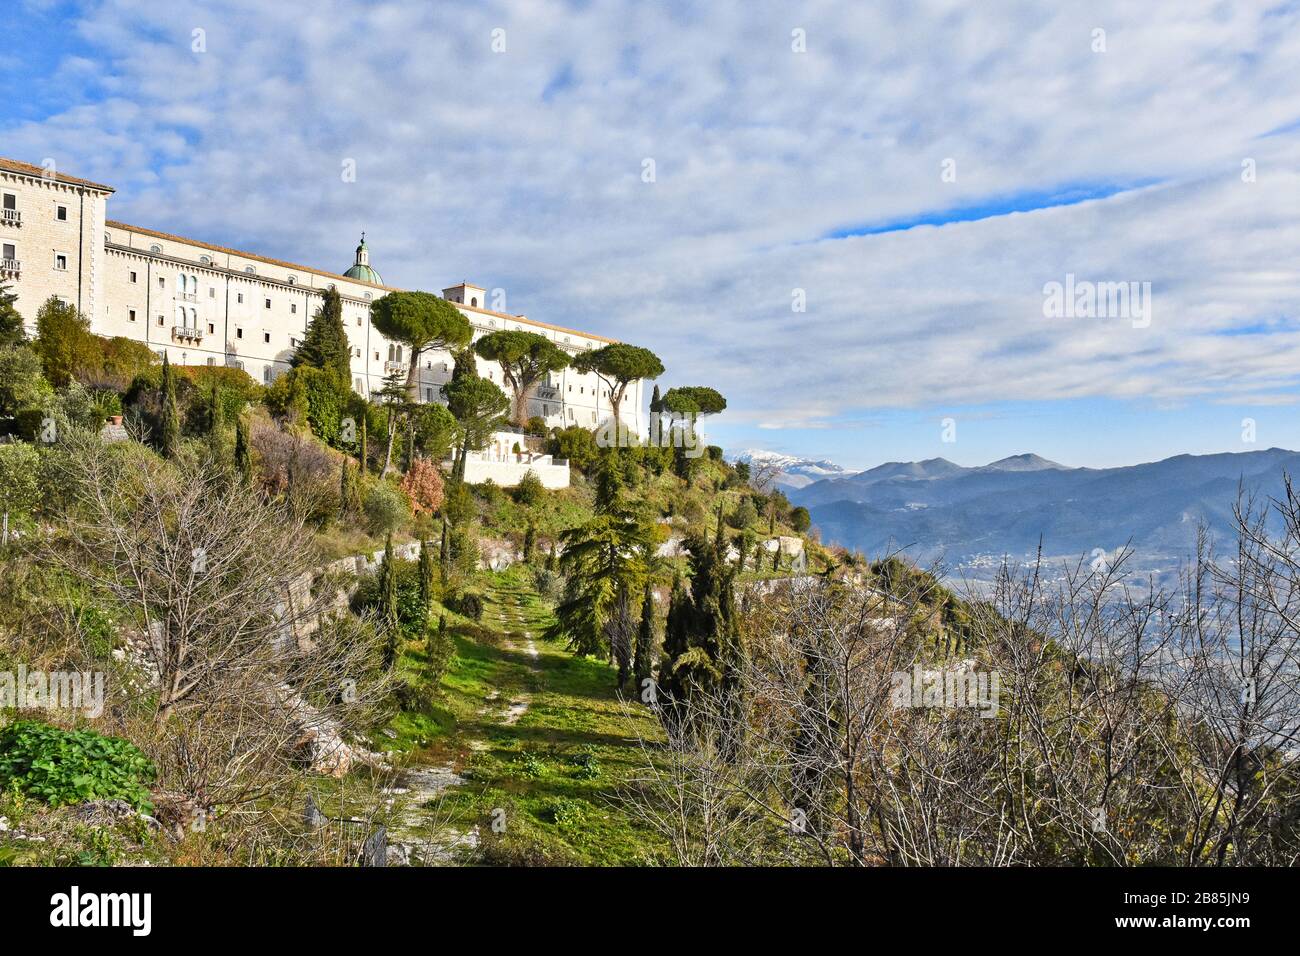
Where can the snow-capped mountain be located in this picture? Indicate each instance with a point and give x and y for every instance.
(791, 471)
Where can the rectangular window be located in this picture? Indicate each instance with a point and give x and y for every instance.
(241, 298)
(10, 201)
(211, 328)
(161, 321)
(61, 261)
(294, 308)
(211, 360)
(10, 251)
(239, 333)
(131, 314)
(266, 337)
(212, 292)
(134, 277)
(61, 213)
(268, 303)
(162, 283)
(266, 375)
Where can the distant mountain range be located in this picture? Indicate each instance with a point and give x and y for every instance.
(789, 471)
(971, 517)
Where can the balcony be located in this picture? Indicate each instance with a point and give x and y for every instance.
(11, 217)
(391, 367)
(187, 297)
(548, 393)
(186, 333)
(10, 267)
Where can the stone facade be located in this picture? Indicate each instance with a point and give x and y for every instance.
(205, 304)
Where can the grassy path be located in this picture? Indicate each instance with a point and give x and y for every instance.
(539, 738)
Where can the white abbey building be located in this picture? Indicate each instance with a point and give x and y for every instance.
(208, 305)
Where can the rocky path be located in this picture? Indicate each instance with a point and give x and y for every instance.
(419, 789)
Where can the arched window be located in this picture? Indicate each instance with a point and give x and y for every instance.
(155, 248)
(293, 280)
(180, 317)
(250, 270)
(206, 260)
(474, 301)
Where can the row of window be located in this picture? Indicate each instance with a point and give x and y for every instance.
(9, 204)
(9, 252)
(191, 283)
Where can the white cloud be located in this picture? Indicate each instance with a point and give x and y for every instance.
(464, 171)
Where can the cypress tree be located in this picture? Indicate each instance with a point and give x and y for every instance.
(215, 435)
(426, 578)
(12, 331)
(171, 419)
(439, 650)
(345, 488)
(387, 606)
(656, 406)
(444, 553)
(530, 542)
(609, 481)
(243, 455)
(325, 344)
(645, 637)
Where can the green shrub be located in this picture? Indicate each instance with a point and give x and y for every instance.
(744, 515)
(20, 491)
(566, 812)
(800, 520)
(529, 766)
(467, 604)
(576, 445)
(587, 764)
(529, 491)
(386, 507)
(490, 492)
(73, 766)
(411, 615)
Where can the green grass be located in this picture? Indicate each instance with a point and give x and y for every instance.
(555, 772)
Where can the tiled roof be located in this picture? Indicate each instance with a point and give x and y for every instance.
(38, 172)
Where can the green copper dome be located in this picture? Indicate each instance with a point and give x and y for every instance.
(361, 270)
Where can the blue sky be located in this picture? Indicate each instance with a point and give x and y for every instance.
(915, 174)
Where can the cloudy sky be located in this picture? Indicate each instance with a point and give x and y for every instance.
(842, 217)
